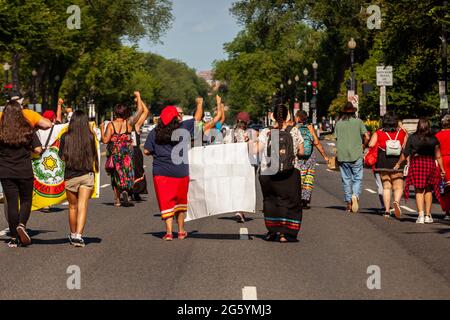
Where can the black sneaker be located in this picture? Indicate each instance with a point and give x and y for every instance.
(13, 243)
(240, 218)
(126, 200)
(78, 243)
(71, 240)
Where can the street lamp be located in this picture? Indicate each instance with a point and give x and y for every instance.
(34, 73)
(306, 73)
(6, 68)
(315, 66)
(352, 47)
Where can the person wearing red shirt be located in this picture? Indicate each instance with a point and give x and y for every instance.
(444, 140)
(393, 135)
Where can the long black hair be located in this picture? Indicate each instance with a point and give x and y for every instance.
(80, 148)
(15, 130)
(390, 122)
(164, 133)
(424, 128)
(280, 113)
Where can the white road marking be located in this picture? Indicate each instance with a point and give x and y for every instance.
(249, 294)
(371, 191)
(4, 232)
(408, 209)
(66, 203)
(243, 234)
(105, 186)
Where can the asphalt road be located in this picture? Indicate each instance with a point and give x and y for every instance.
(126, 258)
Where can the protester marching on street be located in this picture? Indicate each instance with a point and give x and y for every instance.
(390, 141)
(422, 151)
(213, 129)
(280, 186)
(306, 163)
(170, 178)
(140, 180)
(351, 135)
(119, 152)
(444, 140)
(17, 142)
(81, 164)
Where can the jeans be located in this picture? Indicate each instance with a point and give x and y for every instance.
(352, 174)
(15, 189)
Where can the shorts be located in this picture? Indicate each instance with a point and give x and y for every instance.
(86, 181)
(172, 195)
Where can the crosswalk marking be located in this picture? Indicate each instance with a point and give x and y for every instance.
(243, 234)
(249, 293)
(408, 209)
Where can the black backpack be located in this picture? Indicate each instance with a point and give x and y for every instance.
(286, 154)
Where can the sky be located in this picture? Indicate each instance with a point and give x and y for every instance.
(199, 31)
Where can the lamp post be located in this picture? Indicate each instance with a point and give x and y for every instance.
(7, 86)
(306, 73)
(34, 73)
(352, 47)
(315, 66)
(444, 57)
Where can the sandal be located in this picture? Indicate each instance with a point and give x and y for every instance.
(182, 235)
(168, 237)
(271, 237)
(117, 204)
(283, 239)
(397, 210)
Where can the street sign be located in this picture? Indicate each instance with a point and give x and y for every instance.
(385, 76)
(444, 102)
(305, 107)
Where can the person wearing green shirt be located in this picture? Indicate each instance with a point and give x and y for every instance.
(351, 135)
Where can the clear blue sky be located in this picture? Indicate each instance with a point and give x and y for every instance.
(199, 30)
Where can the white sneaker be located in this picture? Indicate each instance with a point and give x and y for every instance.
(355, 204)
(421, 219)
(429, 219)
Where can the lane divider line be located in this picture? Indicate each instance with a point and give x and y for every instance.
(249, 294)
(371, 191)
(243, 234)
(408, 209)
(4, 232)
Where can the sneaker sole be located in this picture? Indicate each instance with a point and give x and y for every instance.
(24, 237)
(397, 211)
(78, 245)
(355, 204)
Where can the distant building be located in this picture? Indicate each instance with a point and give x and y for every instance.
(208, 76)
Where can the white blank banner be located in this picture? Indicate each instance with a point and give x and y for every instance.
(222, 180)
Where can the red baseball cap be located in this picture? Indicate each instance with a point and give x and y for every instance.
(50, 115)
(168, 114)
(243, 116)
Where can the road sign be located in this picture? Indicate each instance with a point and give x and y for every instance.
(385, 76)
(444, 102)
(305, 107)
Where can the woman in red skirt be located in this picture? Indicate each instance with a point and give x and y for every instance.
(444, 140)
(170, 165)
(422, 151)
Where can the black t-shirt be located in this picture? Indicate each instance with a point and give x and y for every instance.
(70, 173)
(15, 162)
(420, 145)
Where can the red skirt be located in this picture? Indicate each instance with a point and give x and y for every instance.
(423, 173)
(172, 195)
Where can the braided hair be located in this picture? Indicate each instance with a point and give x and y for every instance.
(280, 114)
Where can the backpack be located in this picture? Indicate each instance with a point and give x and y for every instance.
(309, 140)
(393, 146)
(286, 154)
